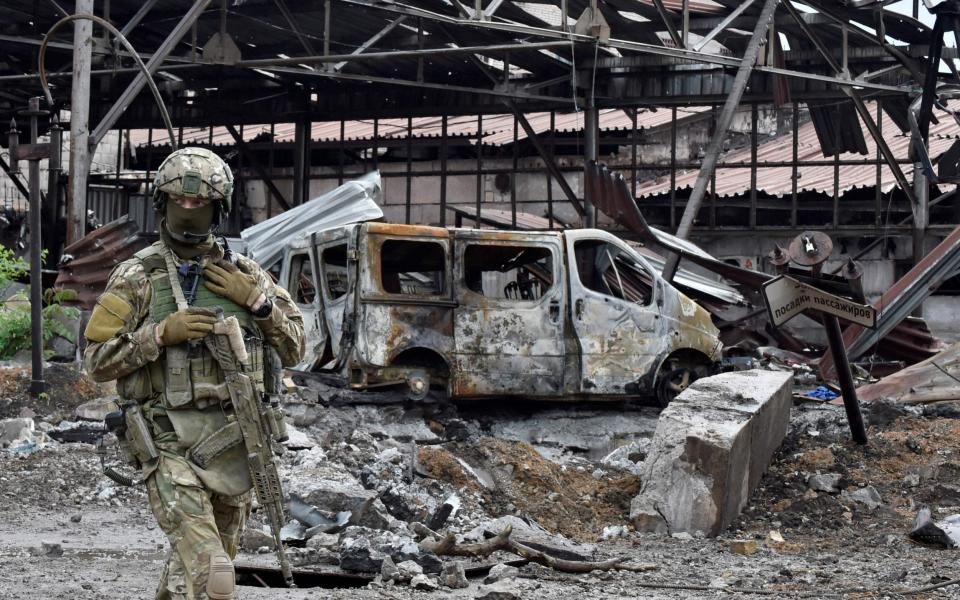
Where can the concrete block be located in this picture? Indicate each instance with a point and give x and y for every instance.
(97, 409)
(711, 446)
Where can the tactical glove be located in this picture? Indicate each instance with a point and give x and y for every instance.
(184, 325)
(226, 280)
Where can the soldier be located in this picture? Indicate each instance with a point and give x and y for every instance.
(147, 331)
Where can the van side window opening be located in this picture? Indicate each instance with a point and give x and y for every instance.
(301, 279)
(508, 272)
(412, 268)
(274, 270)
(608, 270)
(333, 264)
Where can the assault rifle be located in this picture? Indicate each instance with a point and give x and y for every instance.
(257, 426)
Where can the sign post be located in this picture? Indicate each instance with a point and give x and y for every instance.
(787, 297)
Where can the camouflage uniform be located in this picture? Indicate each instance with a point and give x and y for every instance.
(201, 510)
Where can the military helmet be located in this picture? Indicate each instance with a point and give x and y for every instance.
(195, 173)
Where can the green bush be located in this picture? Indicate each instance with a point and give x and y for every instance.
(15, 312)
(11, 266)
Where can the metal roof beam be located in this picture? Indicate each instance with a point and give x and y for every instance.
(137, 17)
(492, 8)
(395, 54)
(683, 54)
(527, 30)
(747, 64)
(843, 82)
(153, 64)
(282, 5)
(371, 41)
(423, 84)
(721, 25)
(17, 39)
(668, 23)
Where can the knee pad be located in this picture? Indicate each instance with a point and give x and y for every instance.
(221, 581)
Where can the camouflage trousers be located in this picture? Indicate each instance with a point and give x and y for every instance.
(198, 523)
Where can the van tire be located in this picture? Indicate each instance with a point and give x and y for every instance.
(672, 381)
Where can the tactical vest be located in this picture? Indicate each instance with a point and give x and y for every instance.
(187, 375)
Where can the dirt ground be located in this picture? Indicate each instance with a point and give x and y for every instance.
(66, 387)
(67, 532)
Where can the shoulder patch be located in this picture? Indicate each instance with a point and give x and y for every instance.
(109, 316)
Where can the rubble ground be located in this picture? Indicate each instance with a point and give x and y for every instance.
(829, 519)
(66, 387)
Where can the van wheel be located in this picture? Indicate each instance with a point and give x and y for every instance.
(673, 381)
(418, 386)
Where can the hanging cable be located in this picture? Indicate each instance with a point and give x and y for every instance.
(123, 40)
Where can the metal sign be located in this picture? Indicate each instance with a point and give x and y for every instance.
(786, 298)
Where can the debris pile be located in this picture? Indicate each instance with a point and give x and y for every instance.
(517, 501)
(396, 491)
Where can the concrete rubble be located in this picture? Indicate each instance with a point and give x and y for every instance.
(365, 482)
(712, 445)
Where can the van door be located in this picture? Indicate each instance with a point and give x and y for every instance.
(614, 311)
(508, 324)
(335, 283)
(299, 278)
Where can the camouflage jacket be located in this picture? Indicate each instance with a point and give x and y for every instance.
(133, 343)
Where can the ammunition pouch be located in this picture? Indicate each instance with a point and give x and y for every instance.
(178, 391)
(194, 379)
(273, 417)
(142, 384)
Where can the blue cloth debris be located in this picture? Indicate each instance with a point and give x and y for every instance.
(822, 393)
(24, 449)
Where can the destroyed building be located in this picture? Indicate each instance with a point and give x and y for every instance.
(536, 246)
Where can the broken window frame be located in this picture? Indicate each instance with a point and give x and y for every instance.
(328, 296)
(627, 253)
(461, 258)
(293, 286)
(371, 288)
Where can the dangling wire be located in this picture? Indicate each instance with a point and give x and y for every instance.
(123, 40)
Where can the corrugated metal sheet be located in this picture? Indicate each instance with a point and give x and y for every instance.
(610, 120)
(497, 129)
(87, 263)
(108, 203)
(352, 202)
(776, 181)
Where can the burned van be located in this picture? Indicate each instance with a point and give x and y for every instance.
(575, 314)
